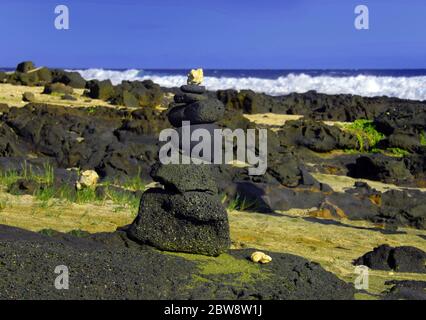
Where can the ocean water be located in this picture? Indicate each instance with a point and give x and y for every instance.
(406, 84)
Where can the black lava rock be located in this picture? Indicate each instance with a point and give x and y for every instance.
(176, 115)
(376, 259)
(401, 259)
(146, 93)
(407, 259)
(193, 222)
(111, 266)
(380, 168)
(25, 66)
(103, 90)
(405, 290)
(184, 177)
(192, 88)
(316, 136)
(3, 76)
(72, 79)
(206, 111)
(189, 98)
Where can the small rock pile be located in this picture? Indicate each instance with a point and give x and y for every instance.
(187, 214)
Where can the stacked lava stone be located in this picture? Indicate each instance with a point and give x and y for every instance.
(195, 106)
(186, 215)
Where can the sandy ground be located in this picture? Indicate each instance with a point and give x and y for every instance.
(274, 121)
(12, 95)
(342, 183)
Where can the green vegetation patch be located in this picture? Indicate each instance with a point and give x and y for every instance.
(48, 192)
(366, 133)
(398, 152)
(423, 138)
(240, 203)
(11, 176)
(237, 271)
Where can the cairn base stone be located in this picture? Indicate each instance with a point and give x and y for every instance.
(193, 222)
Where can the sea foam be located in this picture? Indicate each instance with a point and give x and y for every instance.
(413, 88)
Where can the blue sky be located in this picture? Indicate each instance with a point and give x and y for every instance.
(215, 34)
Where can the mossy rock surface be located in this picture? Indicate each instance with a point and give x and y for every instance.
(110, 266)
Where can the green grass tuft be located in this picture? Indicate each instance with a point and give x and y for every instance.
(135, 183)
(49, 192)
(398, 152)
(240, 204)
(423, 138)
(366, 133)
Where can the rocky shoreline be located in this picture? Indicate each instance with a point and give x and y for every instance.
(379, 139)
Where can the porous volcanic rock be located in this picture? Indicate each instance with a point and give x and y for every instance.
(405, 290)
(401, 259)
(110, 266)
(184, 177)
(103, 90)
(69, 78)
(25, 66)
(194, 222)
(316, 136)
(380, 168)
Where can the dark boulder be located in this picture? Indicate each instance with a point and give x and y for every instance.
(403, 207)
(380, 168)
(103, 90)
(408, 259)
(376, 259)
(125, 98)
(193, 222)
(316, 136)
(25, 66)
(206, 111)
(400, 259)
(405, 141)
(287, 171)
(147, 93)
(247, 100)
(416, 163)
(72, 79)
(176, 114)
(44, 75)
(3, 76)
(30, 78)
(409, 118)
(405, 290)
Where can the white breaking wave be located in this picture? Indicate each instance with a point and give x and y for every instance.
(413, 88)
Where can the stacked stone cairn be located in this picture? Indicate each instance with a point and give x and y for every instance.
(186, 215)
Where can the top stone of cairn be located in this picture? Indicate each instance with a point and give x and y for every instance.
(195, 77)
